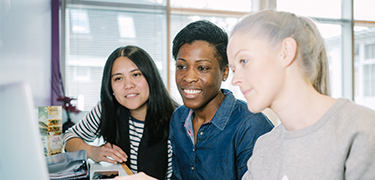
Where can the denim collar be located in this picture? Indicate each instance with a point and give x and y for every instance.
(224, 112)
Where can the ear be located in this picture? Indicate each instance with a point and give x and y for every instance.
(225, 73)
(289, 51)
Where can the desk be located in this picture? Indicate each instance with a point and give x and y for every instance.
(104, 166)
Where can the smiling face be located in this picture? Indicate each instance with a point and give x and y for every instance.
(257, 70)
(198, 74)
(129, 86)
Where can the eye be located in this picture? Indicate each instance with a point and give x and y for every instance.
(179, 66)
(202, 68)
(243, 61)
(117, 78)
(137, 74)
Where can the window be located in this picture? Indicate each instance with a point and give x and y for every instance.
(233, 5)
(126, 26)
(94, 28)
(369, 51)
(369, 80)
(79, 21)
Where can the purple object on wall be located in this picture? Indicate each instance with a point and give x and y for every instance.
(55, 52)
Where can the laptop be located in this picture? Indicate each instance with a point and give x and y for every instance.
(21, 150)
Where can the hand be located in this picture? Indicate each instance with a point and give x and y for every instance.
(138, 176)
(109, 153)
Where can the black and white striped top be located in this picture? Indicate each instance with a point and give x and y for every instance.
(135, 135)
(86, 128)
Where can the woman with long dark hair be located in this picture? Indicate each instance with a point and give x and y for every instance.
(132, 116)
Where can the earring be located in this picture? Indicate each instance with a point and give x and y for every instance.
(113, 93)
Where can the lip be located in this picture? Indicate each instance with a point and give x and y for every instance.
(191, 93)
(247, 91)
(131, 95)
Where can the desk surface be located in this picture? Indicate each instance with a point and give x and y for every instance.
(104, 166)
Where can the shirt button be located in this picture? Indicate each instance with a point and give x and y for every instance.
(192, 168)
(193, 149)
(201, 133)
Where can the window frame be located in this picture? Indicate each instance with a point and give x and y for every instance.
(346, 21)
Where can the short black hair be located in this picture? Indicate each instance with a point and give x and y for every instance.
(206, 31)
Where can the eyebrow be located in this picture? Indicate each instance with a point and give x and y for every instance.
(121, 73)
(200, 60)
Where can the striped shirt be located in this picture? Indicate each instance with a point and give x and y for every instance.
(86, 128)
(135, 135)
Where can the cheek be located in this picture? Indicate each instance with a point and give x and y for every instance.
(143, 84)
(178, 76)
(115, 88)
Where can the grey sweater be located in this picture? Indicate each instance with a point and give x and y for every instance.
(341, 145)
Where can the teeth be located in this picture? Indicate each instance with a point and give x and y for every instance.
(191, 91)
(130, 95)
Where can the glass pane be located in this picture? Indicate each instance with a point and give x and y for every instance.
(365, 65)
(332, 35)
(146, 2)
(87, 52)
(316, 8)
(364, 10)
(233, 5)
(180, 21)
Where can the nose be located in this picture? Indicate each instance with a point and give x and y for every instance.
(236, 79)
(129, 84)
(190, 76)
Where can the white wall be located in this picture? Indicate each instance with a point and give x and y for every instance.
(25, 45)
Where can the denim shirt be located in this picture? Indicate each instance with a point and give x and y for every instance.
(223, 145)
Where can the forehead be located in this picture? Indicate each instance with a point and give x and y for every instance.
(123, 63)
(198, 50)
(241, 41)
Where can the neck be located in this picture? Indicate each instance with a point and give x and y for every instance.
(140, 113)
(206, 113)
(302, 107)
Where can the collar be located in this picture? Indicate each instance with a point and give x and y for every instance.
(222, 115)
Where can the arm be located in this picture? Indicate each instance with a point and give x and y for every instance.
(85, 130)
(98, 153)
(360, 162)
(252, 128)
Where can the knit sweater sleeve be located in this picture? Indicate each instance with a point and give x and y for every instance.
(360, 162)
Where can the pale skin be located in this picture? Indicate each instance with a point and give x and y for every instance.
(271, 77)
(130, 90)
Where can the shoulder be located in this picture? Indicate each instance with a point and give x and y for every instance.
(346, 116)
(348, 112)
(271, 137)
(350, 108)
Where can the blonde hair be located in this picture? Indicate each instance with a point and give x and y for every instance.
(275, 26)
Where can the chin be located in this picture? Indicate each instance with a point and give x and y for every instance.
(254, 109)
(191, 104)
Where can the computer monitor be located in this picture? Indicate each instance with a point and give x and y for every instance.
(21, 150)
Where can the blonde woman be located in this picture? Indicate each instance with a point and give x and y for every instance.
(279, 61)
